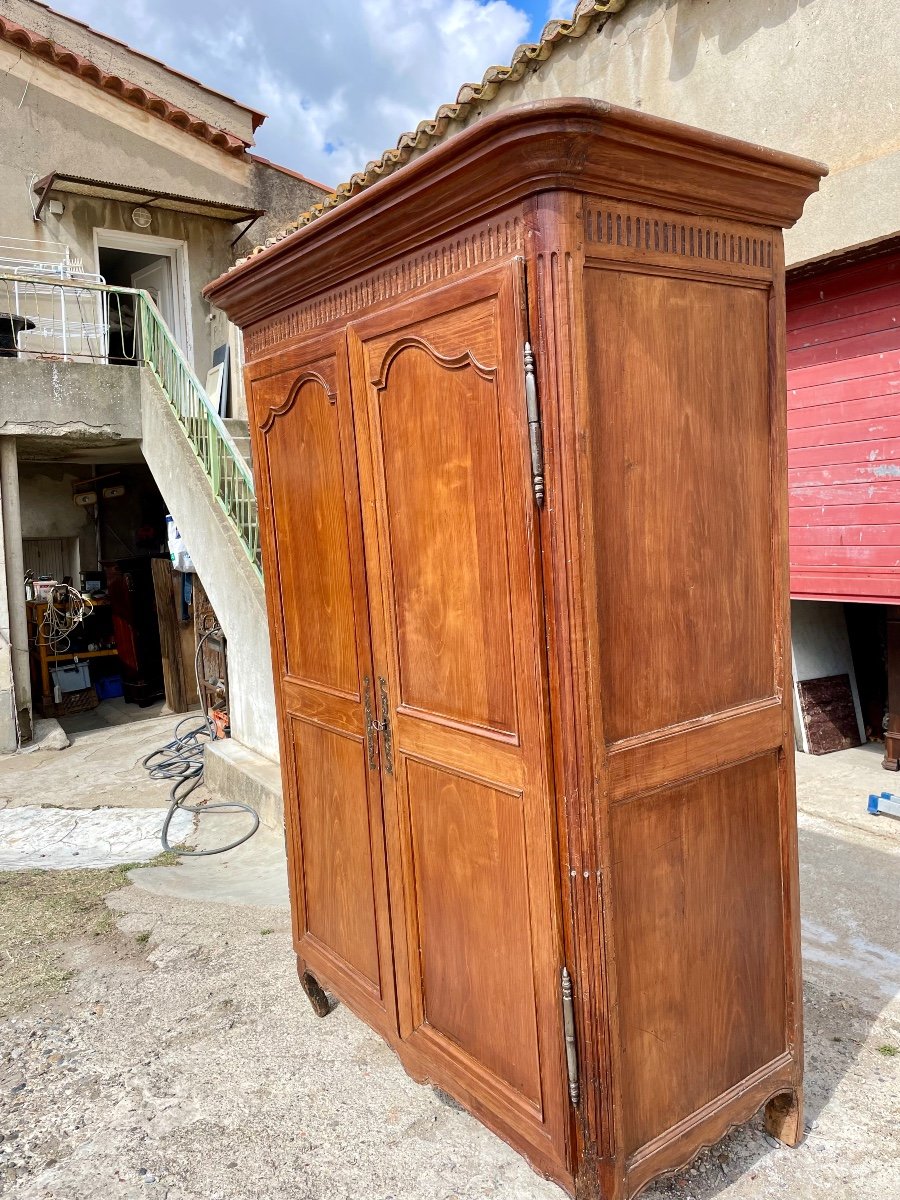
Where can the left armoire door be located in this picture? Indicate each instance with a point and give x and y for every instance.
(307, 487)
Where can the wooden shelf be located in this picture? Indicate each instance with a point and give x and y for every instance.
(81, 654)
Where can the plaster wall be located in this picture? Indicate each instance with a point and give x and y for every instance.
(48, 511)
(815, 77)
(79, 401)
(51, 121)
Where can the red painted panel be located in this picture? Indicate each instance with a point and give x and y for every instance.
(813, 315)
(870, 432)
(844, 431)
(868, 472)
(843, 535)
(847, 326)
(863, 409)
(845, 452)
(842, 349)
(843, 389)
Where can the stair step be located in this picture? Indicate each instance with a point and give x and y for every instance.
(237, 427)
(242, 445)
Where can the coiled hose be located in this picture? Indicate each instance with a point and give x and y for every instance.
(181, 761)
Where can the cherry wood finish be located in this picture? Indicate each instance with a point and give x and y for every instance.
(521, 734)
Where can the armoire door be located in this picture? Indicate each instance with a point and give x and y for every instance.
(316, 594)
(452, 557)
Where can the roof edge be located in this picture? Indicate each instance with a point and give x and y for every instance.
(267, 162)
(131, 93)
(257, 116)
(469, 95)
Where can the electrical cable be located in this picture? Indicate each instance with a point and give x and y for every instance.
(66, 609)
(181, 761)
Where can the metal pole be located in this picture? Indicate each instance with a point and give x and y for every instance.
(15, 581)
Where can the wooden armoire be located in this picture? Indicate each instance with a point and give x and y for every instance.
(518, 420)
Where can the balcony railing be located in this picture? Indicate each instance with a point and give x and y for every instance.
(93, 322)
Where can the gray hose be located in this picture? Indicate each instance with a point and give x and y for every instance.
(181, 761)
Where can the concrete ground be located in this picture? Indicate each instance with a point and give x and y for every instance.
(189, 1066)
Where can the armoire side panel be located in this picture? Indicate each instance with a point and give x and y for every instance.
(678, 372)
(698, 919)
(683, 431)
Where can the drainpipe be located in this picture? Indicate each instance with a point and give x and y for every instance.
(14, 569)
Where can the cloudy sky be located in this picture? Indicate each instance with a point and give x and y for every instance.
(340, 80)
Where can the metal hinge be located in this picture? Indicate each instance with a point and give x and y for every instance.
(568, 1008)
(535, 438)
(373, 727)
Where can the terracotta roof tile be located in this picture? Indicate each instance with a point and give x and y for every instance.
(469, 95)
(257, 116)
(131, 93)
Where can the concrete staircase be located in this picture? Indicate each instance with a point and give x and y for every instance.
(240, 435)
(231, 581)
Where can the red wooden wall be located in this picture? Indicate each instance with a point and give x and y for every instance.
(843, 340)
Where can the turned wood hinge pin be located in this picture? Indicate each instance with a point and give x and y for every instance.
(568, 1008)
(535, 438)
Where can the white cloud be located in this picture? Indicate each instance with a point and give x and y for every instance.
(340, 81)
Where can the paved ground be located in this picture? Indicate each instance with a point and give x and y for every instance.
(183, 1062)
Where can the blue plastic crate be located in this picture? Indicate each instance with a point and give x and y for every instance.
(109, 687)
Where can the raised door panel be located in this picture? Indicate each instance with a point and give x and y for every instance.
(453, 557)
(309, 503)
(441, 447)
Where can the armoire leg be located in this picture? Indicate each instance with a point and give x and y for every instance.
(784, 1117)
(314, 992)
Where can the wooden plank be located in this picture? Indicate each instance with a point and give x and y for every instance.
(870, 472)
(852, 368)
(169, 635)
(873, 342)
(885, 451)
(861, 556)
(824, 311)
(850, 514)
(876, 430)
(886, 383)
(841, 327)
(867, 408)
(843, 535)
(884, 492)
(846, 281)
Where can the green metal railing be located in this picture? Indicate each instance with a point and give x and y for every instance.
(54, 318)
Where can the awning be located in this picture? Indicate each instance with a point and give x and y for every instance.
(78, 185)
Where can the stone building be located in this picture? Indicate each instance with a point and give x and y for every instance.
(119, 173)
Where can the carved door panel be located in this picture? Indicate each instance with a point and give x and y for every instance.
(452, 554)
(315, 586)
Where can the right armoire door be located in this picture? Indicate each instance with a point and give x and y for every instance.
(452, 559)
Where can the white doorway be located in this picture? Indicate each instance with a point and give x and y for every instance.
(159, 266)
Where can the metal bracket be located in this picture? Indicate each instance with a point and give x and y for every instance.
(372, 727)
(385, 727)
(535, 437)
(568, 1007)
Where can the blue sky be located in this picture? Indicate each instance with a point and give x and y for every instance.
(341, 80)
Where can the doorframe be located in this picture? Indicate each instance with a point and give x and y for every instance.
(175, 250)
